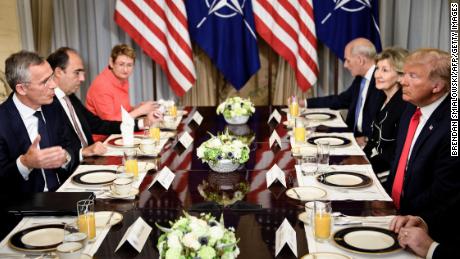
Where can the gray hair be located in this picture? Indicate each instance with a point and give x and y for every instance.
(17, 67)
(367, 50)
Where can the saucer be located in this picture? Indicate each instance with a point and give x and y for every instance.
(133, 192)
(103, 216)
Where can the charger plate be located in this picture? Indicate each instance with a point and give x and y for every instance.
(367, 240)
(344, 179)
(41, 238)
(95, 177)
(118, 142)
(334, 141)
(319, 116)
(325, 255)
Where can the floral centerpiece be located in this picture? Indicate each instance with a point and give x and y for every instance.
(197, 237)
(224, 153)
(236, 110)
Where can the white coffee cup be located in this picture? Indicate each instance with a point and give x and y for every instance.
(121, 186)
(148, 146)
(69, 250)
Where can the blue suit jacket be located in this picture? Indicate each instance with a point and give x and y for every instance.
(15, 141)
(348, 100)
(432, 176)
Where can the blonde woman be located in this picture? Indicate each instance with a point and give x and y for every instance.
(381, 146)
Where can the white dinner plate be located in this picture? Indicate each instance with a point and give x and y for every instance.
(306, 193)
(133, 192)
(325, 255)
(119, 142)
(99, 177)
(43, 237)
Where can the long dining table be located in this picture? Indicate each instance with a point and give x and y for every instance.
(256, 216)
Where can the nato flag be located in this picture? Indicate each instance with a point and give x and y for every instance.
(340, 21)
(224, 29)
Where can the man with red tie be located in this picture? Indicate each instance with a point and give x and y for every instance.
(423, 176)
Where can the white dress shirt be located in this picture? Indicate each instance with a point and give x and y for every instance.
(368, 76)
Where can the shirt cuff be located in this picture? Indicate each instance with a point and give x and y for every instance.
(431, 250)
(68, 159)
(140, 124)
(305, 104)
(23, 170)
(80, 154)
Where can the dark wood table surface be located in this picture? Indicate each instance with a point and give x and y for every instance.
(255, 218)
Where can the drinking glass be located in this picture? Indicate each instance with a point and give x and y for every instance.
(299, 130)
(155, 132)
(293, 107)
(173, 110)
(322, 220)
(86, 221)
(309, 165)
(323, 151)
(130, 162)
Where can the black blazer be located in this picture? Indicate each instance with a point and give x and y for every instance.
(348, 100)
(432, 177)
(90, 123)
(384, 132)
(15, 141)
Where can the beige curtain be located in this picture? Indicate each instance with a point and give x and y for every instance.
(42, 22)
(5, 89)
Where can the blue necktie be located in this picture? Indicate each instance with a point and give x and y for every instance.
(51, 177)
(359, 103)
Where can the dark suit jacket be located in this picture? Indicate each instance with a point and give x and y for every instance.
(90, 123)
(348, 100)
(432, 176)
(384, 132)
(15, 141)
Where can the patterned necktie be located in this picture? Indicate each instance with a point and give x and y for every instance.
(52, 181)
(400, 171)
(360, 101)
(73, 116)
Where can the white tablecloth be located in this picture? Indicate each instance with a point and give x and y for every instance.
(373, 192)
(352, 149)
(69, 186)
(90, 249)
(329, 246)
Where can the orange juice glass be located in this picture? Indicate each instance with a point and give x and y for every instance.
(130, 162)
(299, 130)
(155, 133)
(173, 110)
(322, 221)
(86, 220)
(294, 109)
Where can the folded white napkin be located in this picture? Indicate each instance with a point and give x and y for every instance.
(127, 127)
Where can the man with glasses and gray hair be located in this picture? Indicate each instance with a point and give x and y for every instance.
(33, 139)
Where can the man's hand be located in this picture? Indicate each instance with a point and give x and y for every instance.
(47, 158)
(417, 239)
(95, 149)
(399, 222)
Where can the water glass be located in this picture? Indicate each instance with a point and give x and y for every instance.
(86, 220)
(309, 206)
(322, 220)
(323, 151)
(309, 165)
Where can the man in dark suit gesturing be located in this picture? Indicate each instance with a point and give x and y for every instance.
(33, 157)
(361, 99)
(424, 175)
(69, 73)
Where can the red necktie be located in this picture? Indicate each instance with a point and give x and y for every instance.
(399, 178)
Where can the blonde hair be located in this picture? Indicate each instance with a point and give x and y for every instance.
(122, 49)
(395, 56)
(437, 61)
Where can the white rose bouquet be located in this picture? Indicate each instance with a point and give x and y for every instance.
(192, 237)
(223, 147)
(236, 106)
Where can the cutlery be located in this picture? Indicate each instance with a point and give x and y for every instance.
(110, 218)
(296, 194)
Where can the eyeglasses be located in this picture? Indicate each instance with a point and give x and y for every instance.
(42, 83)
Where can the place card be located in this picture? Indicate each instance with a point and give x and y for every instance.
(183, 143)
(164, 177)
(275, 173)
(136, 235)
(275, 118)
(286, 234)
(196, 120)
(275, 141)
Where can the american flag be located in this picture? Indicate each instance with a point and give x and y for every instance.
(288, 27)
(160, 28)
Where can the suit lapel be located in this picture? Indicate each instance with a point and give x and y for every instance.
(77, 105)
(19, 129)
